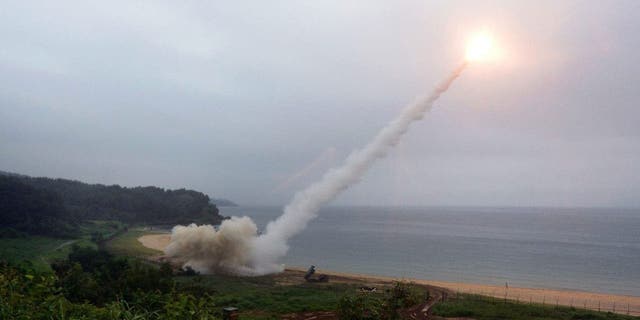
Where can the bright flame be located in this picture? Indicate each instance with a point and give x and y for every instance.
(480, 47)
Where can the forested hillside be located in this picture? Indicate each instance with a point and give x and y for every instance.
(34, 204)
(26, 209)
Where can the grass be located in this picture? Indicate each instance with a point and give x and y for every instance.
(127, 244)
(38, 251)
(106, 228)
(258, 298)
(261, 298)
(485, 308)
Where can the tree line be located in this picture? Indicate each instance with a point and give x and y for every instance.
(55, 206)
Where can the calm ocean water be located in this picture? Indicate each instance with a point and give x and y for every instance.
(583, 249)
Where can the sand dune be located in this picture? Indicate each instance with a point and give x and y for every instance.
(579, 299)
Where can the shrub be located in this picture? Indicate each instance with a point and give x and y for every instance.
(358, 307)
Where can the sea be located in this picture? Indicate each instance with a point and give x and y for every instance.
(589, 249)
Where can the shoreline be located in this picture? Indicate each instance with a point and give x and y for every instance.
(623, 304)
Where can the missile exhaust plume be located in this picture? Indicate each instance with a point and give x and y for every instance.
(237, 248)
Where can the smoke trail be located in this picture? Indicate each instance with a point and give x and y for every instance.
(273, 244)
(263, 252)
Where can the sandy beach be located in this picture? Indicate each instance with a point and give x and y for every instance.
(156, 241)
(579, 299)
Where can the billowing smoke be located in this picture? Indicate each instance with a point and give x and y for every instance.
(207, 250)
(236, 247)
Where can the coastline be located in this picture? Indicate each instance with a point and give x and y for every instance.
(623, 304)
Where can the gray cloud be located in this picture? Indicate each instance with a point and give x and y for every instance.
(232, 99)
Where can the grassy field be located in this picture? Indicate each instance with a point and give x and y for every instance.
(485, 308)
(127, 244)
(106, 228)
(260, 298)
(38, 251)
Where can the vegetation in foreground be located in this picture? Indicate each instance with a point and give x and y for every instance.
(262, 298)
(488, 308)
(85, 283)
(38, 252)
(94, 284)
(388, 306)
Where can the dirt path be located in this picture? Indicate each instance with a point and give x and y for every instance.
(62, 245)
(423, 311)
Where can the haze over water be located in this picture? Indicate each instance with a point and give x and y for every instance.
(592, 249)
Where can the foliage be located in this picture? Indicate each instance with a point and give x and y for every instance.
(133, 205)
(24, 208)
(99, 231)
(263, 294)
(37, 251)
(96, 276)
(479, 307)
(93, 284)
(40, 251)
(359, 307)
(8, 232)
(400, 296)
(109, 288)
(57, 207)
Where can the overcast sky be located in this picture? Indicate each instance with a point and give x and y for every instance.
(253, 100)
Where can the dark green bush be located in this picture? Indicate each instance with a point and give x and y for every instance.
(400, 296)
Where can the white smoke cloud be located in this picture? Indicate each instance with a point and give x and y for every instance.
(208, 250)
